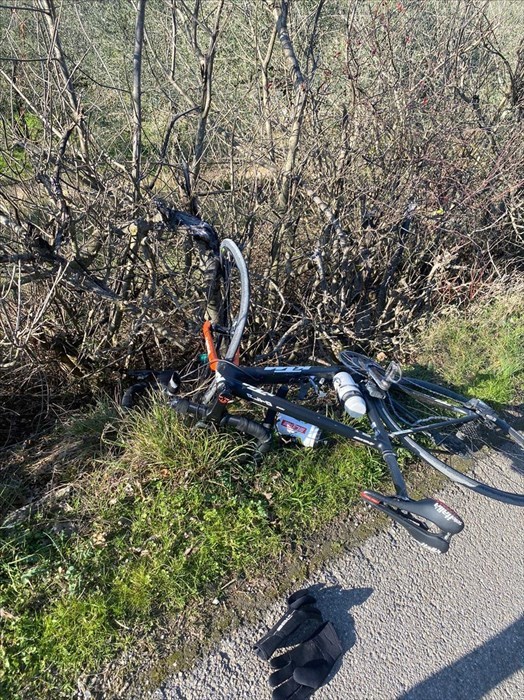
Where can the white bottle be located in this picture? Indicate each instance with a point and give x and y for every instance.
(349, 394)
(306, 433)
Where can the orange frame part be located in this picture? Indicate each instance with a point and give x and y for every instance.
(207, 330)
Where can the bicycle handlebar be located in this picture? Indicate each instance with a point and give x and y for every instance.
(240, 423)
(167, 379)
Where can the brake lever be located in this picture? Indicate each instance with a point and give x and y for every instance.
(128, 399)
(392, 375)
(404, 511)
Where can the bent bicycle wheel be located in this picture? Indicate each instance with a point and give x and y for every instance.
(455, 435)
(233, 300)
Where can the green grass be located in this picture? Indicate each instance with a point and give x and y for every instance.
(480, 352)
(170, 514)
(161, 515)
(15, 165)
(17, 162)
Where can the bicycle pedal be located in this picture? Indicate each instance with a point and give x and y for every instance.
(375, 391)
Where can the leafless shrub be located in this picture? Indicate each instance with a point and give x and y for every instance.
(368, 155)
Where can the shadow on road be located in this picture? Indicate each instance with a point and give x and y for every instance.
(335, 602)
(472, 676)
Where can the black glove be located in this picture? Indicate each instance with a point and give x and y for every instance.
(301, 609)
(304, 669)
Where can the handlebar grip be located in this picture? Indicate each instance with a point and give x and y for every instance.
(128, 399)
(250, 427)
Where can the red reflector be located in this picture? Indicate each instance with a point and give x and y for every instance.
(369, 498)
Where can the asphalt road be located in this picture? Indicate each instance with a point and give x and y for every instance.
(413, 625)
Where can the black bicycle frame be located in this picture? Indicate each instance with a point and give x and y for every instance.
(245, 382)
(242, 382)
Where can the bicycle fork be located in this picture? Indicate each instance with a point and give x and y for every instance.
(416, 516)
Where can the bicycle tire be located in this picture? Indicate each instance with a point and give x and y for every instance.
(234, 298)
(471, 438)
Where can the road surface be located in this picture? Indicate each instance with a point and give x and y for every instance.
(413, 625)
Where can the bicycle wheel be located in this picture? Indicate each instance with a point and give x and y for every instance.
(233, 300)
(451, 432)
(358, 363)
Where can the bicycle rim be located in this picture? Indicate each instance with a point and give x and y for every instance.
(485, 454)
(234, 299)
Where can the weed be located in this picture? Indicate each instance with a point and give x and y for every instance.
(311, 487)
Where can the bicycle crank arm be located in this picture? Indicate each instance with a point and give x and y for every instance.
(401, 510)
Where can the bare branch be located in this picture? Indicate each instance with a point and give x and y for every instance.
(206, 70)
(51, 20)
(22, 8)
(137, 94)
